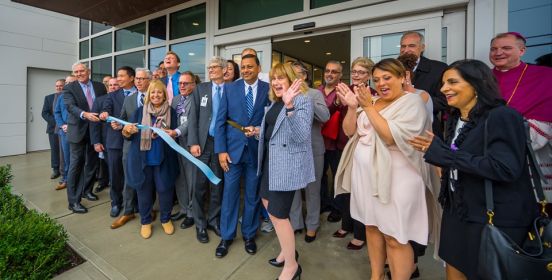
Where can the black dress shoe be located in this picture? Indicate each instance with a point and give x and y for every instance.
(309, 238)
(334, 217)
(115, 211)
(215, 229)
(297, 275)
(222, 248)
(100, 188)
(276, 263)
(55, 174)
(90, 196)
(202, 236)
(250, 246)
(77, 208)
(187, 222)
(177, 216)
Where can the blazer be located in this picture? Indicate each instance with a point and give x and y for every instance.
(183, 121)
(98, 130)
(504, 165)
(233, 107)
(127, 112)
(113, 105)
(76, 103)
(60, 113)
(321, 115)
(175, 78)
(136, 159)
(428, 77)
(290, 159)
(48, 113)
(200, 116)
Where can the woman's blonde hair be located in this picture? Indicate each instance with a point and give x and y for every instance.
(363, 62)
(155, 84)
(286, 70)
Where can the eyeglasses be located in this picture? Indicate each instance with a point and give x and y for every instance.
(213, 67)
(359, 72)
(186, 83)
(328, 71)
(141, 79)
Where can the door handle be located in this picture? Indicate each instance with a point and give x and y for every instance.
(31, 118)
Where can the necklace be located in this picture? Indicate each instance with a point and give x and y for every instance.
(517, 84)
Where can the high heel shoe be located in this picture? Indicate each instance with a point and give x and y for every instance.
(276, 263)
(297, 275)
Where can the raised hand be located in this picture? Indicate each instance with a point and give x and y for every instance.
(291, 92)
(346, 96)
(364, 96)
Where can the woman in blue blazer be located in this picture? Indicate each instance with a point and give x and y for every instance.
(285, 158)
(152, 166)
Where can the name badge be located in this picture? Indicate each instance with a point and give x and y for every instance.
(204, 101)
(183, 119)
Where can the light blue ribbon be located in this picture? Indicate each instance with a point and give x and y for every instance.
(168, 139)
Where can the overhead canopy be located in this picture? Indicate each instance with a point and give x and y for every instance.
(111, 12)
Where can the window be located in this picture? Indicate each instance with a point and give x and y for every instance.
(158, 30)
(236, 12)
(188, 22)
(101, 68)
(130, 37)
(134, 60)
(84, 25)
(192, 56)
(537, 32)
(322, 3)
(101, 45)
(99, 27)
(155, 56)
(383, 46)
(84, 48)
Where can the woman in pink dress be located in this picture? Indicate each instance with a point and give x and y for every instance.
(388, 177)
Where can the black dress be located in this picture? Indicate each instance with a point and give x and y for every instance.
(279, 202)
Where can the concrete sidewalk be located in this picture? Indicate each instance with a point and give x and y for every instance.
(123, 254)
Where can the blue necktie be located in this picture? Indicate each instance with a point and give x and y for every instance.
(218, 95)
(249, 101)
(141, 100)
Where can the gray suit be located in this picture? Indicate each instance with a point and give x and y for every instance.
(290, 151)
(312, 191)
(184, 181)
(129, 194)
(198, 134)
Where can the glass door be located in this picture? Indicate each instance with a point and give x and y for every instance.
(263, 48)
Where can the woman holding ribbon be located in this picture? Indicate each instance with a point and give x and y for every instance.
(152, 166)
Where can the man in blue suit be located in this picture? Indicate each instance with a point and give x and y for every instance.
(172, 64)
(243, 103)
(112, 106)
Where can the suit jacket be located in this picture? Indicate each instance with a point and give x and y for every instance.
(175, 77)
(113, 105)
(233, 107)
(127, 112)
(321, 115)
(428, 77)
(183, 122)
(200, 116)
(504, 165)
(290, 159)
(136, 159)
(76, 103)
(48, 113)
(60, 113)
(98, 130)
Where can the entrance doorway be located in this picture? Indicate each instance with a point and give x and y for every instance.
(314, 50)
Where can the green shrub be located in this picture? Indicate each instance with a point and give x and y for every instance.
(32, 245)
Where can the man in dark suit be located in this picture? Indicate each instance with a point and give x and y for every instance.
(130, 104)
(172, 64)
(52, 129)
(79, 97)
(243, 102)
(112, 107)
(206, 100)
(427, 75)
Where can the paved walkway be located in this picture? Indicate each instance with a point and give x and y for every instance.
(123, 254)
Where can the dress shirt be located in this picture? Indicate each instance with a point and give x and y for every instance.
(216, 104)
(138, 103)
(253, 87)
(83, 87)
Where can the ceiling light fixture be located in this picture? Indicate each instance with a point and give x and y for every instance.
(191, 54)
(328, 53)
(343, 62)
(195, 23)
(307, 41)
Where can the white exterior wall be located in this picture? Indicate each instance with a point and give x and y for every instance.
(29, 37)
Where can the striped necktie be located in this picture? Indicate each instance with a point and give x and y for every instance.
(249, 101)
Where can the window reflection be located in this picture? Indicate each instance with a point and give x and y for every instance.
(101, 45)
(158, 30)
(155, 56)
(192, 56)
(130, 37)
(134, 60)
(188, 22)
(101, 68)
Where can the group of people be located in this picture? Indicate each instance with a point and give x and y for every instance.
(396, 150)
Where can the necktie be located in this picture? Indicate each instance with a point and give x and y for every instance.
(88, 95)
(126, 92)
(170, 93)
(249, 101)
(218, 95)
(180, 108)
(141, 100)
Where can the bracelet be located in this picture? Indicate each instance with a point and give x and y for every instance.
(290, 110)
